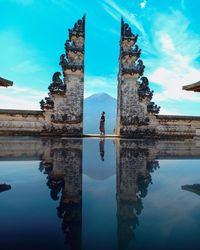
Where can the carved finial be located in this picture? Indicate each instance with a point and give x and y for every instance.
(73, 59)
(144, 90)
(153, 108)
(140, 67)
(63, 61)
(47, 103)
(126, 31)
(56, 79)
(57, 86)
(79, 27)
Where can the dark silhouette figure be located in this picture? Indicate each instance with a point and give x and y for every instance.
(101, 148)
(102, 124)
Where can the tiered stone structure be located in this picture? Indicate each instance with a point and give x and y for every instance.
(64, 106)
(62, 110)
(137, 115)
(62, 163)
(134, 167)
(135, 108)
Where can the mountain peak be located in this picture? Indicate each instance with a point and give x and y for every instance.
(93, 107)
(100, 96)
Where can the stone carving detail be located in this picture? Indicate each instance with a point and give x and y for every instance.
(144, 90)
(57, 86)
(127, 32)
(73, 59)
(130, 52)
(153, 108)
(135, 120)
(135, 69)
(135, 108)
(47, 103)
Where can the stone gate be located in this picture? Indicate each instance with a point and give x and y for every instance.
(137, 115)
(62, 110)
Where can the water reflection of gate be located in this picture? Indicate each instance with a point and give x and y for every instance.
(134, 167)
(63, 166)
(61, 161)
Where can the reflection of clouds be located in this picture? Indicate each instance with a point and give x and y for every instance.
(173, 207)
(101, 186)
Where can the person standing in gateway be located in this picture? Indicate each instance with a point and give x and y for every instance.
(102, 124)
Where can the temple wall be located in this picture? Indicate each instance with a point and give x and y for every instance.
(176, 126)
(21, 122)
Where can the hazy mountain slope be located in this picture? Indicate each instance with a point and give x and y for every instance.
(93, 106)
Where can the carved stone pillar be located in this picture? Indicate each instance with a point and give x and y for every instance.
(64, 106)
(134, 108)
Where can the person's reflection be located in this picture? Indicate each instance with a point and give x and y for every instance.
(101, 148)
(65, 182)
(133, 179)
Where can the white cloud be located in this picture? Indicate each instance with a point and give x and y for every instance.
(109, 5)
(143, 4)
(167, 43)
(177, 52)
(166, 111)
(20, 98)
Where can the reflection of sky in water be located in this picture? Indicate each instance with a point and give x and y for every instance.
(27, 214)
(103, 217)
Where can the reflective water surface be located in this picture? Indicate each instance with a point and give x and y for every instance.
(99, 194)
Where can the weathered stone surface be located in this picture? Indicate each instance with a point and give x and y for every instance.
(136, 113)
(63, 167)
(134, 107)
(21, 122)
(63, 108)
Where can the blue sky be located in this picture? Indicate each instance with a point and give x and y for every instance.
(33, 33)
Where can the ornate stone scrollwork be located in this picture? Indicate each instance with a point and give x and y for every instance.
(135, 69)
(136, 52)
(153, 108)
(144, 90)
(135, 120)
(130, 52)
(63, 61)
(126, 32)
(135, 109)
(79, 27)
(74, 48)
(57, 86)
(47, 103)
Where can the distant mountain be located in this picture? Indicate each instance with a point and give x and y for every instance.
(93, 107)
